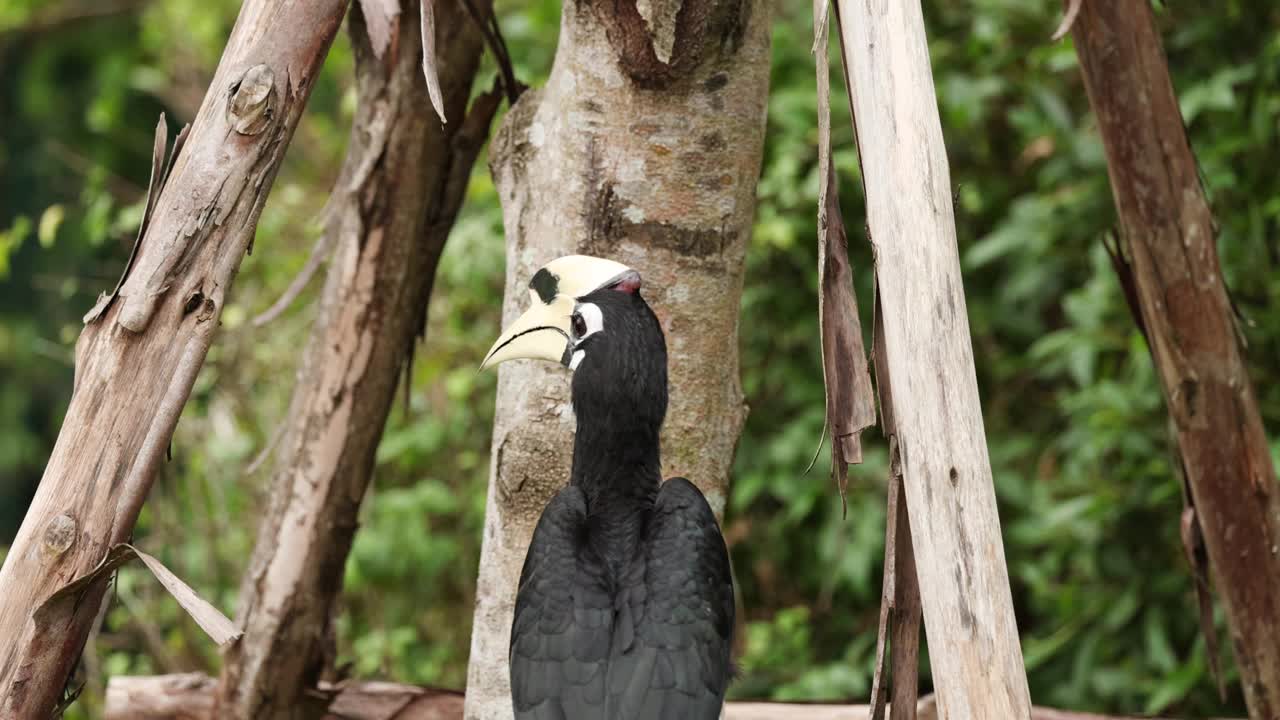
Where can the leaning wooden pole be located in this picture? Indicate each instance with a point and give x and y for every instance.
(937, 415)
(402, 183)
(138, 356)
(1186, 314)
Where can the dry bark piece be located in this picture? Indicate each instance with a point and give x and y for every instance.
(899, 625)
(850, 404)
(1068, 19)
(429, 57)
(381, 18)
(153, 194)
(210, 619)
(59, 535)
(1198, 561)
(660, 19)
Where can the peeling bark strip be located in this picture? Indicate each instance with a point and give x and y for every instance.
(135, 366)
(850, 409)
(899, 627)
(900, 598)
(663, 181)
(60, 535)
(849, 400)
(158, 176)
(395, 201)
(658, 42)
(1188, 322)
(955, 530)
(190, 697)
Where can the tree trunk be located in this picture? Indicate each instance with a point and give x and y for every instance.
(644, 148)
(402, 183)
(138, 356)
(1188, 321)
(937, 414)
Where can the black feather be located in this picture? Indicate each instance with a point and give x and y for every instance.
(625, 607)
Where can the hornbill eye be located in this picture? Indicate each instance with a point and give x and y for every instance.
(579, 325)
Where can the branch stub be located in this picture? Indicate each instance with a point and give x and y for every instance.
(59, 535)
(251, 101)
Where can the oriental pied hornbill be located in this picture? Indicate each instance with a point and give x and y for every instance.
(625, 605)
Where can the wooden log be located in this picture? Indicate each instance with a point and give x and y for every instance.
(190, 697)
(392, 208)
(1173, 267)
(138, 356)
(955, 529)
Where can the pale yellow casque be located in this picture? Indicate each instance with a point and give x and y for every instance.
(542, 332)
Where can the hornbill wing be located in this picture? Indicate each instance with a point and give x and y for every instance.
(672, 636)
(560, 634)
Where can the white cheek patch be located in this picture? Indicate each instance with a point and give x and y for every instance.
(592, 318)
(593, 322)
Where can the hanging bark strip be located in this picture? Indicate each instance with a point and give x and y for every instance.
(138, 355)
(950, 498)
(1189, 326)
(850, 407)
(652, 163)
(900, 596)
(402, 184)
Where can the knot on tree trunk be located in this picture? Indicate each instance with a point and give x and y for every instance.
(59, 535)
(251, 100)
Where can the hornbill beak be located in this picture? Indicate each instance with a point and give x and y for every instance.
(543, 332)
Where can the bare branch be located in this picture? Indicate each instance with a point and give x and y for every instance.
(319, 252)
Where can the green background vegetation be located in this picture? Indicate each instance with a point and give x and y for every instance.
(1074, 416)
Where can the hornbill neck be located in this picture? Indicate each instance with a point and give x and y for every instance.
(620, 399)
(616, 460)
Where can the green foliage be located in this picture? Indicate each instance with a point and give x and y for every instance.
(1073, 411)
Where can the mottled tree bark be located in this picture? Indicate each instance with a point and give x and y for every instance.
(138, 356)
(936, 426)
(1173, 268)
(652, 162)
(400, 189)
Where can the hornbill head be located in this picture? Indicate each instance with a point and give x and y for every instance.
(586, 313)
